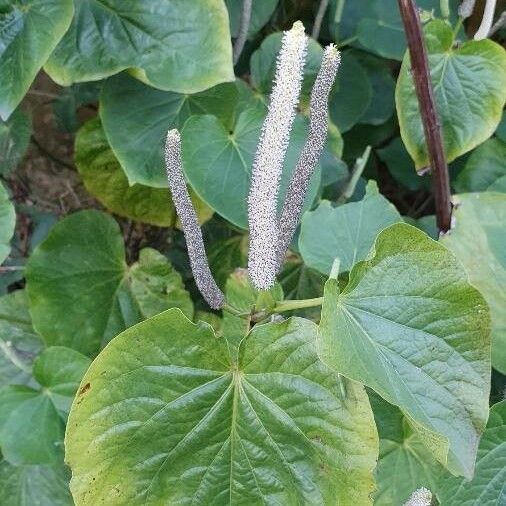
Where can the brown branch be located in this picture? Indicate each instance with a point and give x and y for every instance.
(431, 126)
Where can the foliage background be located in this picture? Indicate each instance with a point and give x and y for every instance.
(87, 92)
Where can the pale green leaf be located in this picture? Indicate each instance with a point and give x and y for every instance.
(14, 139)
(411, 327)
(478, 240)
(346, 232)
(164, 417)
(7, 223)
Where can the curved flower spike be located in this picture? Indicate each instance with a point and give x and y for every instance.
(269, 157)
(193, 235)
(311, 151)
(420, 497)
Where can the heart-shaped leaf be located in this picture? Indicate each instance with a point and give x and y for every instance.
(82, 292)
(346, 232)
(478, 239)
(32, 420)
(176, 45)
(469, 88)
(45, 485)
(29, 32)
(164, 416)
(484, 168)
(19, 344)
(14, 139)
(404, 463)
(218, 163)
(487, 487)
(7, 223)
(410, 326)
(137, 131)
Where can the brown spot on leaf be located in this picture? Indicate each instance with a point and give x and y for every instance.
(84, 389)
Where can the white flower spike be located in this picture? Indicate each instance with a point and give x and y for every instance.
(269, 157)
(420, 497)
(308, 159)
(193, 235)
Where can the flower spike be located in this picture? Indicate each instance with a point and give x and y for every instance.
(193, 235)
(420, 497)
(311, 151)
(269, 157)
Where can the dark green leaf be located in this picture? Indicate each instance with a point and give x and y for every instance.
(176, 45)
(29, 31)
(14, 139)
(7, 223)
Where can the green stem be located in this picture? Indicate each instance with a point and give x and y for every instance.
(347, 41)
(355, 176)
(337, 17)
(12, 355)
(445, 8)
(457, 28)
(291, 305)
(234, 311)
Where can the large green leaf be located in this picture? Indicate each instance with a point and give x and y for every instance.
(164, 417)
(81, 290)
(104, 178)
(45, 485)
(478, 239)
(136, 119)
(19, 344)
(346, 232)
(32, 420)
(410, 326)
(485, 167)
(174, 45)
(7, 223)
(29, 31)
(218, 163)
(488, 487)
(14, 139)
(470, 92)
(404, 463)
(261, 11)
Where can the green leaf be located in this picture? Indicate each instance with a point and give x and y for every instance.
(32, 421)
(501, 128)
(104, 179)
(34, 485)
(469, 110)
(176, 45)
(218, 163)
(382, 103)
(19, 344)
(487, 488)
(346, 232)
(136, 119)
(411, 327)
(478, 240)
(7, 223)
(14, 139)
(351, 95)
(29, 31)
(275, 428)
(227, 255)
(82, 292)
(485, 167)
(404, 464)
(261, 11)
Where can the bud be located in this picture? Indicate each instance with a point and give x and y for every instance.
(318, 128)
(191, 229)
(269, 157)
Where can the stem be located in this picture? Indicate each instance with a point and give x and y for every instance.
(427, 105)
(444, 6)
(12, 268)
(12, 355)
(487, 20)
(498, 24)
(319, 18)
(243, 30)
(337, 17)
(357, 171)
(347, 41)
(290, 305)
(234, 311)
(458, 26)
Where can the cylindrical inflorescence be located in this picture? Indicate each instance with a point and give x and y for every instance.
(420, 497)
(269, 157)
(308, 159)
(193, 235)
